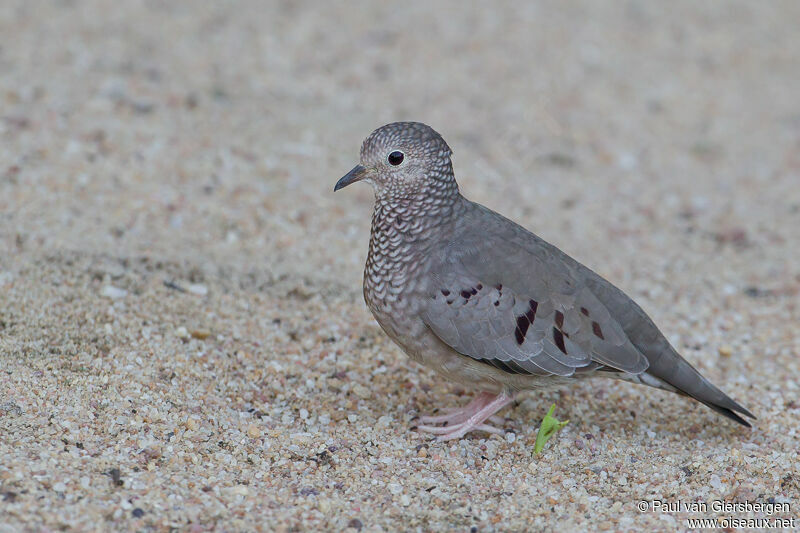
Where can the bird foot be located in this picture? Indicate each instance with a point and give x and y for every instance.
(458, 422)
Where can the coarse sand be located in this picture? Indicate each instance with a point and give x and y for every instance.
(183, 339)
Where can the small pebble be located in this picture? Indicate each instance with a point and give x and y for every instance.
(109, 291)
(197, 289)
(200, 334)
(361, 391)
(300, 438)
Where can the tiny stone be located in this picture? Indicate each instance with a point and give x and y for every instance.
(725, 350)
(300, 438)
(361, 391)
(253, 431)
(109, 291)
(59, 487)
(182, 333)
(137, 513)
(201, 334)
(192, 424)
(198, 289)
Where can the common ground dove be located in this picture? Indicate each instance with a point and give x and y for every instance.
(487, 303)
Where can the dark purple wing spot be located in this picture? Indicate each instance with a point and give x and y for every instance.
(474, 291)
(479, 286)
(445, 292)
(496, 303)
(522, 328)
(449, 302)
(466, 295)
(560, 319)
(597, 331)
(585, 311)
(558, 338)
(499, 286)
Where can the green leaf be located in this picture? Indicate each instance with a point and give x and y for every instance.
(550, 425)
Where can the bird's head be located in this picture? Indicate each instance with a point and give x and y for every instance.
(402, 159)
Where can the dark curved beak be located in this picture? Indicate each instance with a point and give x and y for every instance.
(357, 174)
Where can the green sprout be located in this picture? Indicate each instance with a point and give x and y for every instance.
(548, 428)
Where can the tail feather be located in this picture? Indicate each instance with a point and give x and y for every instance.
(682, 378)
(666, 364)
(673, 370)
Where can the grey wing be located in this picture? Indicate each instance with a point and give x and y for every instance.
(514, 302)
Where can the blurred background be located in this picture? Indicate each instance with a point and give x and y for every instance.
(149, 143)
(219, 128)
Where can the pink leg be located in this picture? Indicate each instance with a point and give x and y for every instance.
(470, 418)
(458, 415)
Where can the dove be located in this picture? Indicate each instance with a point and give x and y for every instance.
(486, 303)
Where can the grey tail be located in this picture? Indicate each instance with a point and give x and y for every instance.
(679, 376)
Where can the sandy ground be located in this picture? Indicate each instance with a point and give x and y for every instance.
(183, 339)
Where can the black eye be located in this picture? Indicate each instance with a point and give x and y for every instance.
(395, 158)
